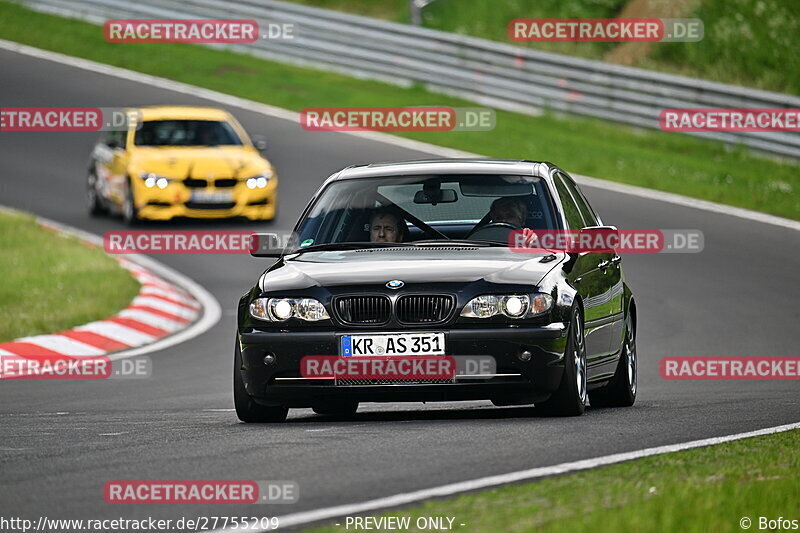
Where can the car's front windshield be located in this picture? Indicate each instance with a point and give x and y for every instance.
(416, 209)
(186, 133)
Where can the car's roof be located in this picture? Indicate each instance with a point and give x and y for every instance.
(446, 166)
(179, 112)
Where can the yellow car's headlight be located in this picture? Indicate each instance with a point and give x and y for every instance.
(154, 180)
(260, 181)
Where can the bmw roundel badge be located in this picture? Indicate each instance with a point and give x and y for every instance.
(395, 284)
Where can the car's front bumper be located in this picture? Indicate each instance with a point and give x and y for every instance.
(280, 382)
(176, 201)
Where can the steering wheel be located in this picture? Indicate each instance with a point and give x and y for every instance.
(491, 229)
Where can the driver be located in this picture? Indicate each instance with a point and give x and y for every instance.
(509, 209)
(387, 225)
(205, 135)
(513, 210)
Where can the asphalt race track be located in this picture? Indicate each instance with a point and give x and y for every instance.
(60, 441)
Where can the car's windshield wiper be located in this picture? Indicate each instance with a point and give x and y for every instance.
(424, 243)
(463, 242)
(349, 246)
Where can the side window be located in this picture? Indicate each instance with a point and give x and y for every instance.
(115, 139)
(583, 205)
(571, 211)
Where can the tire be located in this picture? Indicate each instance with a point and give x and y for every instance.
(129, 213)
(246, 409)
(338, 407)
(621, 390)
(570, 398)
(93, 202)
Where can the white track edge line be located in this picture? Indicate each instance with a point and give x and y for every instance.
(397, 500)
(211, 314)
(285, 114)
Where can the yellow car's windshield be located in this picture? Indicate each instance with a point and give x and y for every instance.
(186, 133)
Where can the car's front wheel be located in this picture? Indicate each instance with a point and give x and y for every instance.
(246, 409)
(570, 398)
(93, 203)
(130, 214)
(621, 391)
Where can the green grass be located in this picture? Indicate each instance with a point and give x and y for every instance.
(747, 42)
(486, 18)
(489, 19)
(694, 491)
(667, 161)
(52, 282)
(393, 10)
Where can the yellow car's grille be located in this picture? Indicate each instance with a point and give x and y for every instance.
(196, 183)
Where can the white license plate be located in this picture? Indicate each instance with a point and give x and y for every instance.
(220, 197)
(396, 344)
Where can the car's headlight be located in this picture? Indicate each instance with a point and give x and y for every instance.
(282, 309)
(154, 180)
(509, 305)
(260, 181)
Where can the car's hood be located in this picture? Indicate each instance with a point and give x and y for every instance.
(199, 162)
(377, 266)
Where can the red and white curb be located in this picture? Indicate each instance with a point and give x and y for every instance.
(169, 308)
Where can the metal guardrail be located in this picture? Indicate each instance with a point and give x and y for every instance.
(491, 73)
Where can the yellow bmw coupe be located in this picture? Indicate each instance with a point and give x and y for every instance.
(176, 161)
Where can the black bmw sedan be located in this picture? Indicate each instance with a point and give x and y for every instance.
(413, 260)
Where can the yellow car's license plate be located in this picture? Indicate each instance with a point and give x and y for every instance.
(217, 197)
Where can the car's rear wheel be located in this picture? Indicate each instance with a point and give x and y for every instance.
(570, 398)
(246, 409)
(336, 407)
(93, 202)
(621, 391)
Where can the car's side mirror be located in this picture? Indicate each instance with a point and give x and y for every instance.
(266, 245)
(272, 244)
(601, 230)
(597, 239)
(259, 143)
